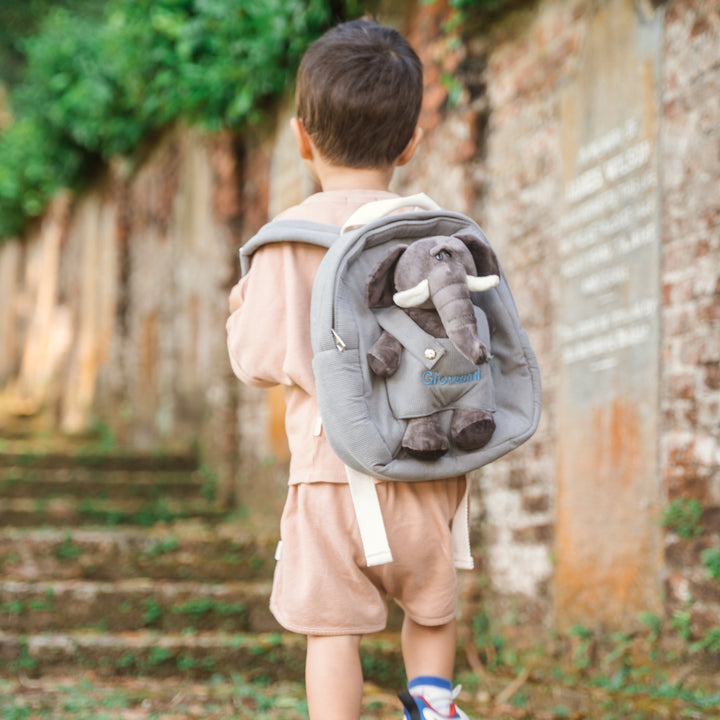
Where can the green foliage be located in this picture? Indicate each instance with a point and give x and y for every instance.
(710, 558)
(95, 88)
(682, 516)
(200, 606)
(681, 622)
(582, 652)
(34, 165)
(161, 547)
(21, 20)
(67, 549)
(211, 62)
(153, 611)
(710, 642)
(73, 75)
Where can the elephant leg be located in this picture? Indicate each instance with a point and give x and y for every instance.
(424, 439)
(471, 429)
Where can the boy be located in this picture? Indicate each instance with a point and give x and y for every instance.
(359, 92)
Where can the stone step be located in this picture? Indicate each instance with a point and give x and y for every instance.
(35, 458)
(67, 510)
(180, 550)
(271, 656)
(136, 604)
(141, 603)
(84, 696)
(83, 482)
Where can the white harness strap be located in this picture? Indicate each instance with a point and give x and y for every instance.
(369, 518)
(372, 527)
(462, 554)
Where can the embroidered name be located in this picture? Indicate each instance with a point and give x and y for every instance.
(432, 378)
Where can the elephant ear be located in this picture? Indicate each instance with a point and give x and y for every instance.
(380, 288)
(486, 262)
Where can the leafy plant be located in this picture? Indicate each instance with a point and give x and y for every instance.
(153, 611)
(162, 546)
(682, 516)
(67, 549)
(654, 623)
(710, 558)
(95, 88)
(582, 654)
(158, 655)
(209, 477)
(198, 607)
(710, 642)
(13, 607)
(681, 621)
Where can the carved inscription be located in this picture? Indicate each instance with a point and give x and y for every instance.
(609, 224)
(608, 545)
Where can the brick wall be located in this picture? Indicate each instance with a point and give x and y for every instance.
(690, 399)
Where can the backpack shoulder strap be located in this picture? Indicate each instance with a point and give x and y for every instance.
(305, 231)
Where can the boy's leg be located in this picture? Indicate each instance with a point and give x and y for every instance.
(333, 677)
(429, 655)
(429, 650)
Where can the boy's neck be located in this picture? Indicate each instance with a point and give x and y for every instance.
(332, 177)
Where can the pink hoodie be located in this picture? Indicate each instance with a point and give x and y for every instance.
(269, 331)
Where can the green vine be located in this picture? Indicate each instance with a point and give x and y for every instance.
(95, 88)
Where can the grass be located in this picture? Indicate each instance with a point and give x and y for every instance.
(223, 697)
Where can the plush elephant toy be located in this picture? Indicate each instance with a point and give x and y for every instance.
(434, 346)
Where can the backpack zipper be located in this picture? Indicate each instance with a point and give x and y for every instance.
(339, 344)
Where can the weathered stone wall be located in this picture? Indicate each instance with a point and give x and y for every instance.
(113, 307)
(113, 304)
(690, 387)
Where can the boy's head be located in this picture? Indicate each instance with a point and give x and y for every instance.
(359, 92)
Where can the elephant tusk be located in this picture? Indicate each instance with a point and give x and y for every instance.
(481, 284)
(414, 296)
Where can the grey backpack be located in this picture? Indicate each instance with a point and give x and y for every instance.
(419, 375)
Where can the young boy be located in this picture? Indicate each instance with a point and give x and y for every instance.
(359, 92)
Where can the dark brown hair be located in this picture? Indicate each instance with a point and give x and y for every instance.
(359, 91)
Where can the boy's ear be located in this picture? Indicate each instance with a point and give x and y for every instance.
(302, 138)
(411, 147)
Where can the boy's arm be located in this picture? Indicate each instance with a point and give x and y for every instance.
(268, 331)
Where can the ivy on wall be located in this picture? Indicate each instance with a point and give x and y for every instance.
(95, 84)
(94, 88)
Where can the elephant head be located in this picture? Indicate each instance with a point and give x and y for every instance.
(436, 275)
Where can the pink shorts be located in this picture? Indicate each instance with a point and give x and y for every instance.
(322, 585)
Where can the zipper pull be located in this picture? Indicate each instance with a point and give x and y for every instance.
(339, 344)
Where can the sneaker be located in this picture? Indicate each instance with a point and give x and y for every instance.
(416, 708)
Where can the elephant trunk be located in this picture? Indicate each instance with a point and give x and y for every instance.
(451, 296)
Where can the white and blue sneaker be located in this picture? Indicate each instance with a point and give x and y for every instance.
(417, 708)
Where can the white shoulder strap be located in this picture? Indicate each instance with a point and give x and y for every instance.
(380, 208)
(462, 553)
(369, 518)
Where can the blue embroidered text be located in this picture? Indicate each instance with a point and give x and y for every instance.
(432, 378)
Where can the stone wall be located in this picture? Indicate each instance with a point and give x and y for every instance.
(113, 303)
(113, 307)
(690, 350)
(528, 61)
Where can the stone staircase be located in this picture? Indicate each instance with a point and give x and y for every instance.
(121, 565)
(126, 593)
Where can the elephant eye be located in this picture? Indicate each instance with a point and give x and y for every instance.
(443, 254)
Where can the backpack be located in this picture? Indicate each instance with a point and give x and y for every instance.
(377, 415)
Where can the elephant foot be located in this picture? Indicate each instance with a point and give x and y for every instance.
(424, 439)
(472, 429)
